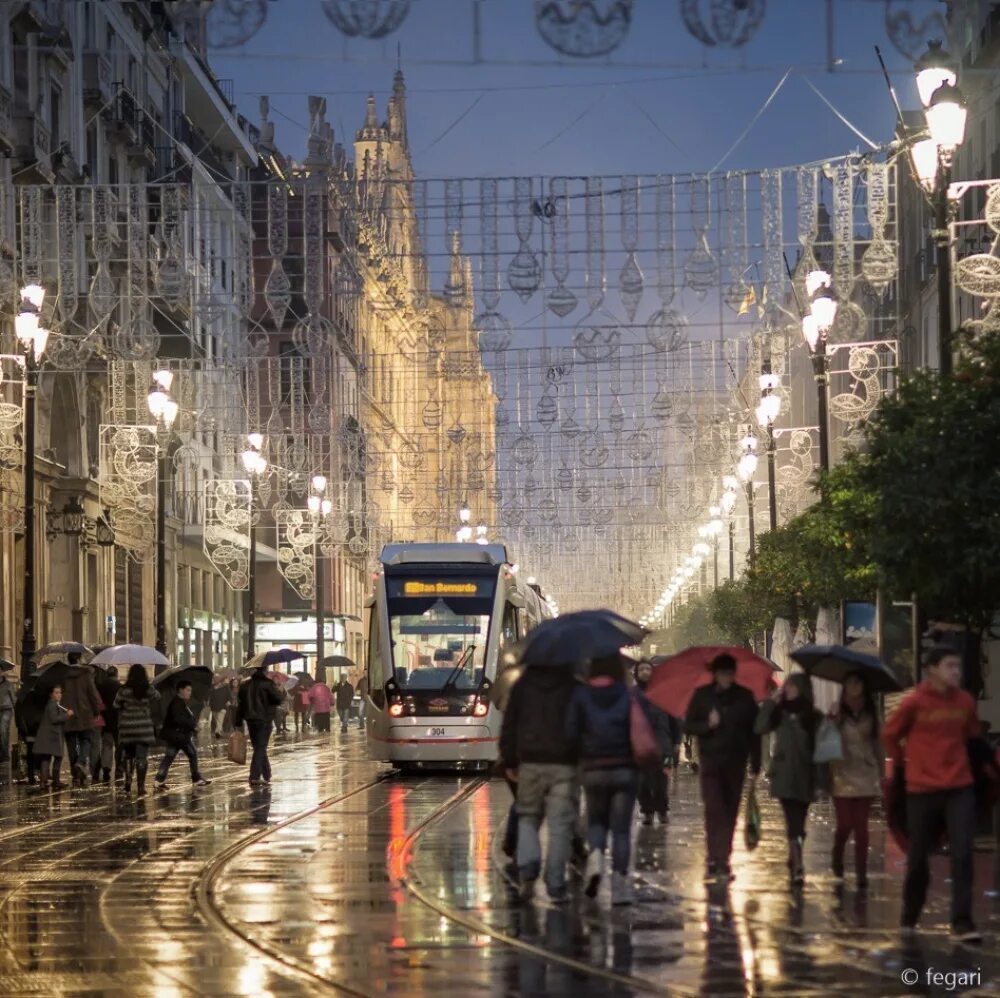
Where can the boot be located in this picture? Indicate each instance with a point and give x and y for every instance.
(837, 864)
(594, 872)
(621, 889)
(140, 773)
(129, 768)
(107, 776)
(861, 868)
(796, 869)
(43, 774)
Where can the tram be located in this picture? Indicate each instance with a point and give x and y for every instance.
(439, 620)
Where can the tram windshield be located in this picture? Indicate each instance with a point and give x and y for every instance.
(439, 632)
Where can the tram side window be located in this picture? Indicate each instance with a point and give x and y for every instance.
(376, 674)
(509, 632)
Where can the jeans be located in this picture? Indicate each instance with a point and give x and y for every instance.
(106, 757)
(170, 754)
(852, 818)
(361, 713)
(721, 791)
(218, 721)
(344, 714)
(545, 790)
(260, 734)
(653, 790)
(78, 749)
(924, 815)
(610, 797)
(6, 719)
(795, 818)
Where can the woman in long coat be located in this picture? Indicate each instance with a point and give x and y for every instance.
(790, 714)
(136, 701)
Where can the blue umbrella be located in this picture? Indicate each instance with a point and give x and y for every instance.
(576, 637)
(837, 662)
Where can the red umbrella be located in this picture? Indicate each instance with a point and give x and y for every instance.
(675, 678)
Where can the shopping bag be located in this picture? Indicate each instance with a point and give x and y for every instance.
(751, 827)
(829, 743)
(645, 750)
(236, 748)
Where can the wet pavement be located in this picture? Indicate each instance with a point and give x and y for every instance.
(343, 878)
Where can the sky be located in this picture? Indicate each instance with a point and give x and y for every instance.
(660, 103)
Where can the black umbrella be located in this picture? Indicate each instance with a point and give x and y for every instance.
(6, 666)
(272, 657)
(338, 662)
(304, 679)
(575, 637)
(837, 662)
(199, 676)
(52, 675)
(500, 691)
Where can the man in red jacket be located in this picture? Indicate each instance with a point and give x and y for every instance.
(931, 729)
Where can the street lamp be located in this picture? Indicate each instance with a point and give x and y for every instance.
(946, 113)
(163, 408)
(745, 469)
(481, 530)
(816, 326)
(33, 338)
(768, 410)
(255, 465)
(319, 507)
(730, 485)
(464, 533)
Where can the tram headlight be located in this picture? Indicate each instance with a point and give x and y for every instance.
(395, 710)
(481, 709)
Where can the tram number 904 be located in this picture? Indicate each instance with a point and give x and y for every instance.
(435, 732)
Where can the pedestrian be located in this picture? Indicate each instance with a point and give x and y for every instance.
(177, 733)
(108, 686)
(321, 700)
(721, 716)
(930, 731)
(80, 695)
(7, 701)
(136, 701)
(599, 723)
(345, 697)
(300, 707)
(540, 757)
(28, 710)
(790, 714)
(654, 793)
(256, 703)
(234, 689)
(857, 775)
(363, 705)
(219, 699)
(48, 746)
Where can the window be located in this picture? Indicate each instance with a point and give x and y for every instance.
(376, 671)
(55, 115)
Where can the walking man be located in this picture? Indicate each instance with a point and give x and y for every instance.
(653, 785)
(81, 697)
(178, 733)
(539, 755)
(219, 698)
(7, 699)
(721, 716)
(363, 706)
(930, 731)
(256, 702)
(345, 697)
(108, 686)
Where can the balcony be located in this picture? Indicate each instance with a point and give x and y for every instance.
(97, 85)
(135, 127)
(33, 145)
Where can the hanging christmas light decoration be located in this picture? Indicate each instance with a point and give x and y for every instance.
(583, 29)
(723, 23)
(366, 18)
(230, 23)
(911, 32)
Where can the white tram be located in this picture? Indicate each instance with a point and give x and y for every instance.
(438, 622)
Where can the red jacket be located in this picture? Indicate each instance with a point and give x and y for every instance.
(932, 731)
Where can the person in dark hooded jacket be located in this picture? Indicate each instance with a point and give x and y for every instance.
(654, 793)
(537, 753)
(599, 722)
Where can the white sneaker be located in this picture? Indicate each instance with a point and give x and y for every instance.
(621, 889)
(594, 872)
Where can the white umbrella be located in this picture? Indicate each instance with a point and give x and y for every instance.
(129, 655)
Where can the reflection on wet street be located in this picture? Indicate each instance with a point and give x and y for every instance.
(344, 877)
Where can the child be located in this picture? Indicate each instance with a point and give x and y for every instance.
(48, 747)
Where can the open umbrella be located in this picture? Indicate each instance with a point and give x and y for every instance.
(576, 637)
(283, 679)
(305, 679)
(272, 657)
(62, 648)
(500, 691)
(6, 666)
(675, 679)
(130, 655)
(199, 676)
(54, 674)
(836, 662)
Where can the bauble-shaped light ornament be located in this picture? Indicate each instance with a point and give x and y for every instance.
(723, 23)
(583, 29)
(366, 18)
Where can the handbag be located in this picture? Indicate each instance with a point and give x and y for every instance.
(829, 743)
(645, 750)
(751, 827)
(236, 748)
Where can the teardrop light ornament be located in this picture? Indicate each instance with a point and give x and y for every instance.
(583, 29)
(366, 18)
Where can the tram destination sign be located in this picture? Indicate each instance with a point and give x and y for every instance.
(421, 588)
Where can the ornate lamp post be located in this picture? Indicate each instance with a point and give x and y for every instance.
(816, 326)
(320, 508)
(33, 339)
(745, 469)
(464, 533)
(946, 113)
(730, 485)
(255, 465)
(768, 410)
(163, 408)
